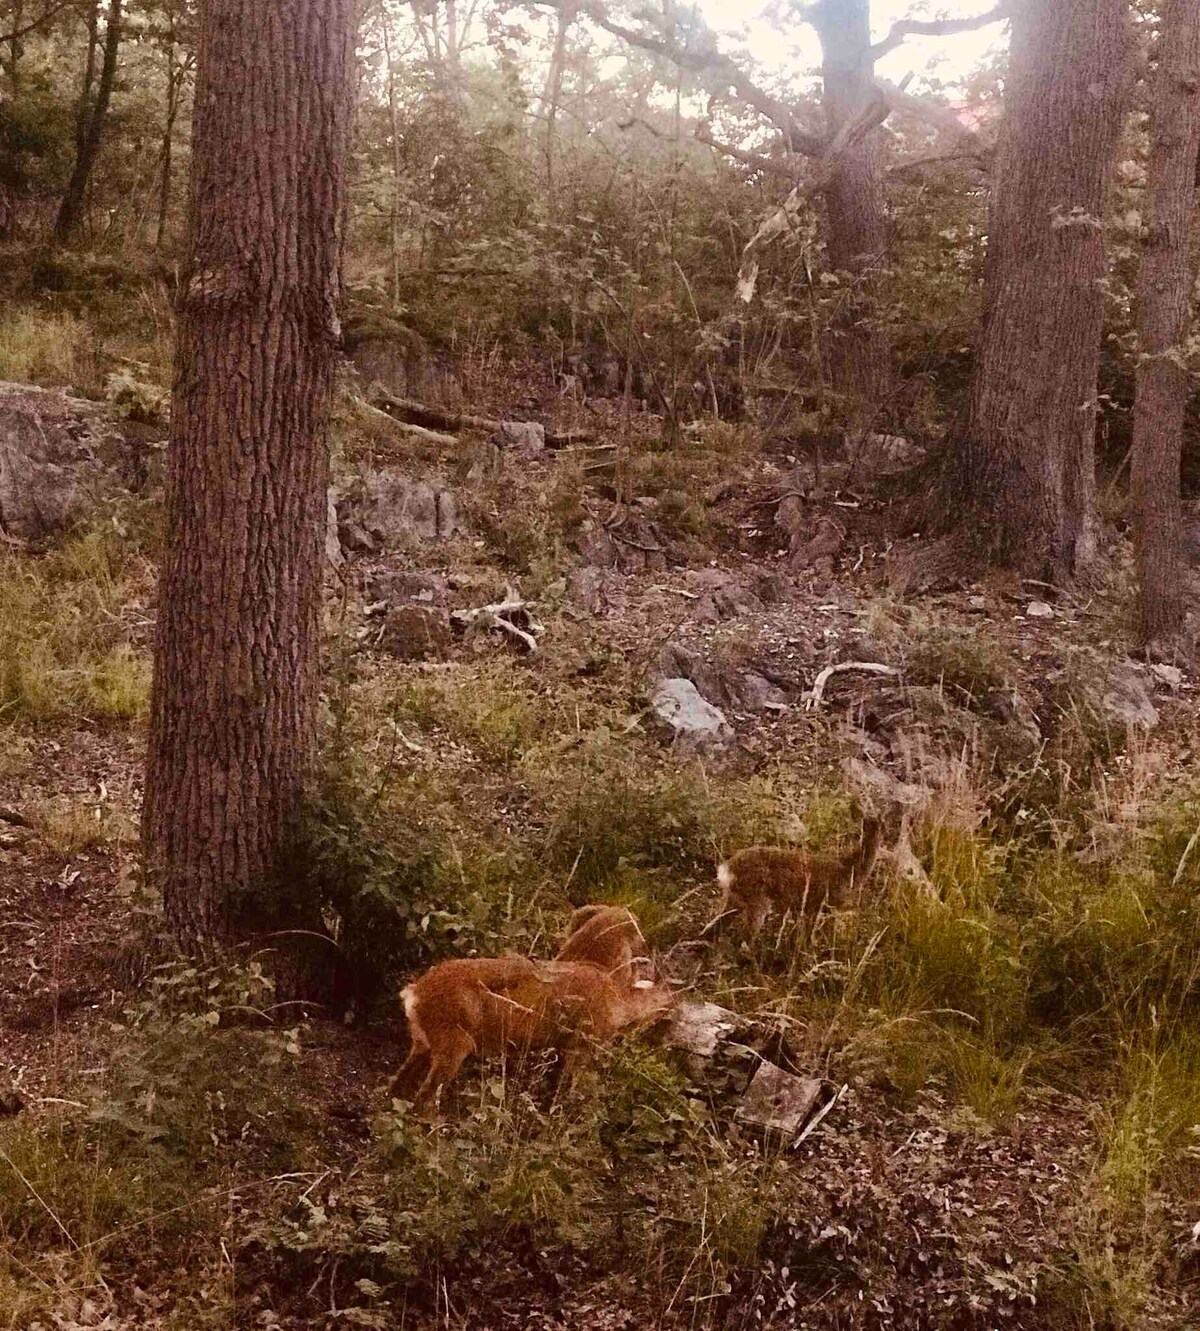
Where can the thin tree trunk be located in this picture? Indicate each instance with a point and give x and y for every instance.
(91, 127)
(1028, 462)
(176, 72)
(397, 165)
(234, 706)
(552, 90)
(1162, 380)
(856, 237)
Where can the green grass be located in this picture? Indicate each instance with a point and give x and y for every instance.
(67, 649)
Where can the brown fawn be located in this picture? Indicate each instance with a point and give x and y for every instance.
(760, 877)
(487, 1006)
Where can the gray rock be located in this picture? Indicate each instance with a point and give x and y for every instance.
(1039, 610)
(697, 1030)
(48, 461)
(601, 590)
(887, 455)
(524, 437)
(1169, 675)
(399, 586)
(355, 538)
(678, 703)
(1128, 697)
(393, 507)
(723, 686)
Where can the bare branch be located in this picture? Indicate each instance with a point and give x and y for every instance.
(703, 134)
(946, 27)
(853, 131)
(703, 58)
(36, 23)
(932, 113)
(978, 157)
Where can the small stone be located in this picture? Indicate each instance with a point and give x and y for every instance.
(977, 604)
(1039, 610)
(679, 704)
(1127, 698)
(1169, 675)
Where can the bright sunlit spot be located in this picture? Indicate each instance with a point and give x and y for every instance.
(795, 51)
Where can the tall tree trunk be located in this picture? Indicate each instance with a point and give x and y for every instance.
(176, 72)
(397, 163)
(856, 238)
(233, 712)
(1162, 381)
(1028, 461)
(91, 125)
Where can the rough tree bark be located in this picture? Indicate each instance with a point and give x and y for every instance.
(1027, 466)
(1162, 380)
(91, 122)
(856, 236)
(233, 711)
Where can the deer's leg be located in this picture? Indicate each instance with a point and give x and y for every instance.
(412, 1070)
(759, 910)
(444, 1063)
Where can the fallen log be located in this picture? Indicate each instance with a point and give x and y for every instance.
(413, 413)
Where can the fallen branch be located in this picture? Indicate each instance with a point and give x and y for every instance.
(499, 616)
(417, 413)
(424, 420)
(373, 412)
(817, 693)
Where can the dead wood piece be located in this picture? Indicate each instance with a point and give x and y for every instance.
(570, 438)
(417, 413)
(817, 693)
(776, 1102)
(509, 616)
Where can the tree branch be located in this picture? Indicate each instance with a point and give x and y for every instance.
(853, 131)
(36, 23)
(705, 58)
(703, 134)
(946, 27)
(979, 157)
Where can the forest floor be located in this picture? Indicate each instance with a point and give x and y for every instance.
(1014, 1034)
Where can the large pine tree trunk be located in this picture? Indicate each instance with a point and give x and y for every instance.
(91, 124)
(1162, 381)
(234, 704)
(856, 235)
(1028, 460)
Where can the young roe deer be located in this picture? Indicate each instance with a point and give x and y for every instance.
(759, 877)
(486, 1006)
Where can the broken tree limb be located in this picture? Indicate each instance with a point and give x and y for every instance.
(417, 413)
(501, 616)
(817, 693)
(424, 420)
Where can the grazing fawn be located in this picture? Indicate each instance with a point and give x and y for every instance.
(486, 1006)
(760, 877)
